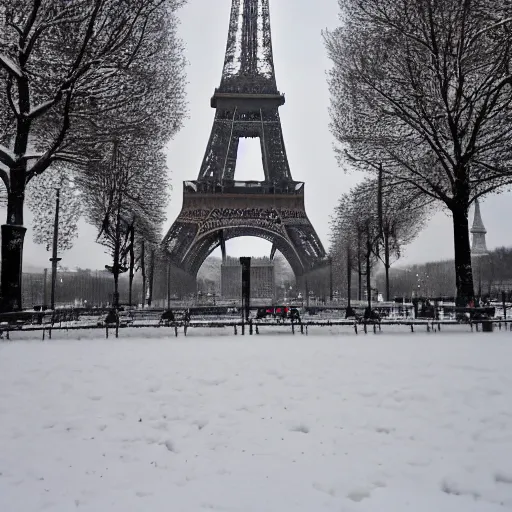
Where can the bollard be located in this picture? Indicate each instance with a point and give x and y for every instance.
(412, 328)
(106, 331)
(257, 330)
(306, 330)
(365, 329)
(185, 329)
(43, 333)
(236, 333)
(250, 327)
(428, 327)
(293, 328)
(50, 333)
(355, 327)
(301, 329)
(175, 330)
(374, 328)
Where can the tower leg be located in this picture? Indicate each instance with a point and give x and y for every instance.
(223, 246)
(273, 252)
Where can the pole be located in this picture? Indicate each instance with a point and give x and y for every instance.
(368, 270)
(45, 291)
(246, 287)
(117, 233)
(368, 281)
(330, 280)
(54, 259)
(349, 278)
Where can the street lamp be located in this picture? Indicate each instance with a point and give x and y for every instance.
(55, 259)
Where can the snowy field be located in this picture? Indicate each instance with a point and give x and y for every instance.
(392, 422)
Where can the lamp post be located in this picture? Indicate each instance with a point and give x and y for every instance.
(54, 259)
(45, 294)
(330, 280)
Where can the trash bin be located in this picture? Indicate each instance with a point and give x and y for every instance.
(487, 325)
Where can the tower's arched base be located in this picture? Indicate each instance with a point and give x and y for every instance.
(213, 214)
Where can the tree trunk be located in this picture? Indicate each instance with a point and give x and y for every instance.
(13, 236)
(116, 290)
(349, 276)
(13, 232)
(360, 278)
(369, 279)
(359, 268)
(151, 276)
(143, 271)
(387, 265)
(132, 266)
(117, 254)
(12, 263)
(463, 269)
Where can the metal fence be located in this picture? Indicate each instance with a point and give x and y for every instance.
(82, 288)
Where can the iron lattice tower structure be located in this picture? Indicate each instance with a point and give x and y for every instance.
(478, 246)
(215, 206)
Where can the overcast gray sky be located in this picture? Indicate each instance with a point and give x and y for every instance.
(301, 65)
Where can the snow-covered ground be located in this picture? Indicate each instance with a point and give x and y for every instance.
(271, 423)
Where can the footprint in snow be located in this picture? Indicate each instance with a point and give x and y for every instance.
(300, 428)
(502, 478)
(358, 495)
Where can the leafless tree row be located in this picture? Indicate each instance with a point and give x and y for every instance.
(370, 226)
(91, 89)
(424, 89)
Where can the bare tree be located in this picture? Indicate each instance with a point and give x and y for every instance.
(374, 221)
(426, 88)
(69, 72)
(400, 215)
(144, 233)
(356, 224)
(41, 199)
(125, 199)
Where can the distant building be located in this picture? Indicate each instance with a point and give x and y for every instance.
(262, 279)
(231, 281)
(478, 246)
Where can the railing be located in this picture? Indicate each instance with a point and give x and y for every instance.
(243, 187)
(225, 317)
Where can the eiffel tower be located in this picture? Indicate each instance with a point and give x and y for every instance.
(217, 208)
